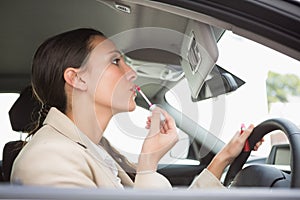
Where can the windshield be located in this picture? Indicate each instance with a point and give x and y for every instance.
(272, 89)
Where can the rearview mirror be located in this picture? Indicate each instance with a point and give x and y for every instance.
(219, 82)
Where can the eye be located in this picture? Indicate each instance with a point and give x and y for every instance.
(116, 61)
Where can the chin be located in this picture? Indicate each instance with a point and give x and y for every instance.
(129, 108)
(132, 107)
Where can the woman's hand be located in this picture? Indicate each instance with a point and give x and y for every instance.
(235, 145)
(161, 138)
(231, 151)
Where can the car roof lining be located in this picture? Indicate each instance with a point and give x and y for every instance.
(222, 25)
(23, 36)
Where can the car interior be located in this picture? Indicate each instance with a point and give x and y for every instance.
(164, 44)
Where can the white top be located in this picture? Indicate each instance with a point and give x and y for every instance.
(110, 163)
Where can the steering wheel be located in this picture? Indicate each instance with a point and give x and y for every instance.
(293, 134)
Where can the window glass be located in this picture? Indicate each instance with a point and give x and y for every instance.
(6, 132)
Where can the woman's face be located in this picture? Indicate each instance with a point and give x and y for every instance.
(109, 78)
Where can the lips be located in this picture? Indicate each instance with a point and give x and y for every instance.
(134, 90)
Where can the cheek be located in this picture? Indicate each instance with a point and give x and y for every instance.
(107, 88)
(104, 90)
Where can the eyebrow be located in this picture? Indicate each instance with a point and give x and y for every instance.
(116, 51)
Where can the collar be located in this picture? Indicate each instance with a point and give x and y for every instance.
(66, 127)
(63, 124)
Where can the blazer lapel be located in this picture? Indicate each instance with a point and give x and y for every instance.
(66, 127)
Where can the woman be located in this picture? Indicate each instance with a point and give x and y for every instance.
(82, 80)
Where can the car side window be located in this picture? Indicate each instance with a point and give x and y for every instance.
(125, 131)
(6, 132)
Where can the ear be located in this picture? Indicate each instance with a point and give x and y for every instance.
(73, 79)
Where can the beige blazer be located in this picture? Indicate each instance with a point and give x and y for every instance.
(59, 154)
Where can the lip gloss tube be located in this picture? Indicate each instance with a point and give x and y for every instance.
(151, 106)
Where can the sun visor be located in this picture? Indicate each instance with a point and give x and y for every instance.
(200, 53)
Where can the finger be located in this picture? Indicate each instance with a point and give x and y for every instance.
(247, 132)
(164, 126)
(169, 121)
(258, 144)
(148, 123)
(255, 148)
(148, 120)
(155, 122)
(167, 116)
(162, 130)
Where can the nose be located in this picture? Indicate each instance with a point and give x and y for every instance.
(130, 74)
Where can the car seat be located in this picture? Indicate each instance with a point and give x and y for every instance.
(10, 152)
(22, 115)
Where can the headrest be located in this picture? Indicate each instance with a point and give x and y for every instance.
(24, 112)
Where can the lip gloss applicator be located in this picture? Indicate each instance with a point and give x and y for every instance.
(144, 96)
(151, 106)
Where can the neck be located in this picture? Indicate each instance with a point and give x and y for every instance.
(90, 121)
